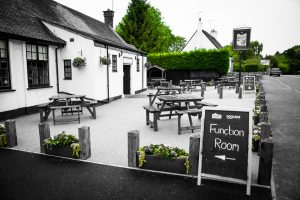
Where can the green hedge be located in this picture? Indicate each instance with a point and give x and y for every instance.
(203, 60)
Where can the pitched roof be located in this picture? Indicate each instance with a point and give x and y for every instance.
(24, 18)
(212, 39)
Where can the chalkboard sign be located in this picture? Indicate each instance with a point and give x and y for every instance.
(249, 83)
(226, 143)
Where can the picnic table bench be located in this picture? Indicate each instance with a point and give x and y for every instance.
(66, 108)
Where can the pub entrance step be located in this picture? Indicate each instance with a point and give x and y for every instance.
(73, 179)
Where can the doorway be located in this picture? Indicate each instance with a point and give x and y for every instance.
(126, 79)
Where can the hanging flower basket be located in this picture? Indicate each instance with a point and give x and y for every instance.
(79, 62)
(105, 61)
(147, 64)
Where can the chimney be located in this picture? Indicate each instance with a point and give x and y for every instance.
(214, 33)
(109, 17)
(200, 25)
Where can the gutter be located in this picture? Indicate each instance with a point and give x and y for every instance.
(56, 63)
(142, 72)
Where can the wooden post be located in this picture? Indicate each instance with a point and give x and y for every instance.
(265, 131)
(150, 95)
(265, 162)
(44, 131)
(218, 88)
(194, 154)
(94, 112)
(221, 92)
(263, 117)
(85, 142)
(11, 133)
(202, 89)
(133, 146)
(236, 88)
(263, 108)
(240, 92)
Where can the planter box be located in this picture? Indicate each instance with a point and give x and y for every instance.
(255, 146)
(166, 165)
(65, 151)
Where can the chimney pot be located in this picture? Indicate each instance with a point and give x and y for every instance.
(109, 17)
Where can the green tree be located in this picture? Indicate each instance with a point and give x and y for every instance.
(143, 27)
(293, 55)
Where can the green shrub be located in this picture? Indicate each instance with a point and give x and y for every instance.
(3, 139)
(201, 60)
(251, 68)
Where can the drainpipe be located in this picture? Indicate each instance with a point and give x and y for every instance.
(56, 62)
(142, 72)
(107, 66)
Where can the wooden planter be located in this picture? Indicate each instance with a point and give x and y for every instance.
(255, 146)
(166, 165)
(65, 151)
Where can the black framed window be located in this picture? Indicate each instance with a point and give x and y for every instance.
(4, 66)
(114, 63)
(138, 65)
(68, 69)
(37, 65)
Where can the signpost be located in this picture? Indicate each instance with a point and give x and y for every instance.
(241, 42)
(249, 83)
(225, 145)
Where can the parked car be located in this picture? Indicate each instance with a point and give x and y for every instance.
(275, 71)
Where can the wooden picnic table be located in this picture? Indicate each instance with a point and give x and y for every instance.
(67, 100)
(166, 90)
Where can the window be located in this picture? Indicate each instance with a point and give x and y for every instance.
(114, 63)
(138, 65)
(37, 65)
(4, 66)
(68, 69)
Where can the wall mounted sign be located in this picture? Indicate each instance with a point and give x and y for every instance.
(241, 39)
(225, 145)
(249, 83)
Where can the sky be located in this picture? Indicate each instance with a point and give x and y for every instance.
(275, 23)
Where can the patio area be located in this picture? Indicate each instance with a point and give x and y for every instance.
(114, 120)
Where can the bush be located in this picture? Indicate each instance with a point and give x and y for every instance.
(79, 62)
(200, 60)
(251, 68)
(3, 139)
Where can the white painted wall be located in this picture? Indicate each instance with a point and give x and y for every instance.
(90, 80)
(23, 97)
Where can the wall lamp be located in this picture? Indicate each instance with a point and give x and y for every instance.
(121, 53)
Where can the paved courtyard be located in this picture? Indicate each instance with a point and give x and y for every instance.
(115, 119)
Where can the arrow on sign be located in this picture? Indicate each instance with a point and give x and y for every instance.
(223, 157)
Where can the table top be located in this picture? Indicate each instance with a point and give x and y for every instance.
(181, 97)
(169, 88)
(65, 96)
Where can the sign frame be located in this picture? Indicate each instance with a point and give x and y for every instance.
(244, 86)
(239, 39)
(249, 160)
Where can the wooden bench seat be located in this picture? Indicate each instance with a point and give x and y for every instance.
(191, 112)
(66, 108)
(155, 111)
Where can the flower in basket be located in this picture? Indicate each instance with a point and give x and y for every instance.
(79, 62)
(3, 139)
(62, 140)
(147, 64)
(105, 61)
(164, 151)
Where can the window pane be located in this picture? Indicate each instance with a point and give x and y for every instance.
(4, 65)
(40, 48)
(33, 48)
(3, 53)
(45, 50)
(29, 56)
(28, 47)
(45, 57)
(2, 44)
(33, 56)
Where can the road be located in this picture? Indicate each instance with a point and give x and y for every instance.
(283, 100)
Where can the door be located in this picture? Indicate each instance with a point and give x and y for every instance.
(126, 79)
